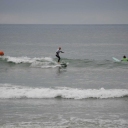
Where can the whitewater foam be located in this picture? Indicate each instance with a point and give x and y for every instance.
(23, 59)
(43, 62)
(11, 91)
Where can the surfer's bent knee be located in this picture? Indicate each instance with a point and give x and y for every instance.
(58, 58)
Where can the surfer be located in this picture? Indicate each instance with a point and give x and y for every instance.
(57, 54)
(124, 58)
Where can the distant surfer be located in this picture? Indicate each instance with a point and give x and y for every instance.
(124, 58)
(57, 53)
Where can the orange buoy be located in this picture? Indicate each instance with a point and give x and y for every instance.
(1, 53)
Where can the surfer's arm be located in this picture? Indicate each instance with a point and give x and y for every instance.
(57, 52)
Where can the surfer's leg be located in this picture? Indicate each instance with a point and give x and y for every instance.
(58, 58)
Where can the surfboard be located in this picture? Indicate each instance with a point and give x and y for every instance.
(63, 64)
(115, 59)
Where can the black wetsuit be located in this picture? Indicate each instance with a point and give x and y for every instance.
(57, 54)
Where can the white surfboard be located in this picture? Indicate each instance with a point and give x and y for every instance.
(115, 59)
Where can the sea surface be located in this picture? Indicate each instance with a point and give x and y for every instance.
(36, 92)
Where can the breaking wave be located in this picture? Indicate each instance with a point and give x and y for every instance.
(42, 62)
(8, 91)
(48, 62)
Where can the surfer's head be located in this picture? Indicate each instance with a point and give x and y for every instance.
(59, 48)
(124, 56)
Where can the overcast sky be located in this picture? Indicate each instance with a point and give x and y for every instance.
(63, 11)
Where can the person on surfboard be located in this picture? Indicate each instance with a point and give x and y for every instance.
(124, 58)
(57, 54)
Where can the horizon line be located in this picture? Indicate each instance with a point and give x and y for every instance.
(60, 24)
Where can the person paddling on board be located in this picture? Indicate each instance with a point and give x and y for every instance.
(57, 54)
(124, 58)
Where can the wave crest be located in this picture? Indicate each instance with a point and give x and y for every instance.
(9, 91)
(43, 62)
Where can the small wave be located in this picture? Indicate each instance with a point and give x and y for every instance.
(109, 64)
(18, 60)
(48, 62)
(43, 62)
(8, 91)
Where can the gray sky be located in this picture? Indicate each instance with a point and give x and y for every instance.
(63, 11)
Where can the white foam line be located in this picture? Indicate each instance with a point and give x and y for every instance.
(69, 93)
(18, 60)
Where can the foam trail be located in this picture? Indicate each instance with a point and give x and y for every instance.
(11, 91)
(43, 62)
(18, 60)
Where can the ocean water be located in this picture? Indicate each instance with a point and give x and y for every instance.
(91, 92)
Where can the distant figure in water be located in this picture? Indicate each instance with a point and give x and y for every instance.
(57, 54)
(124, 58)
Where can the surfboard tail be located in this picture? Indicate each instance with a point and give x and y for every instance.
(115, 59)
